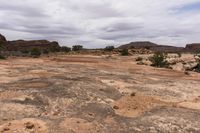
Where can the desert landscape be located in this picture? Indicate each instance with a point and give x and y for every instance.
(96, 94)
(99, 66)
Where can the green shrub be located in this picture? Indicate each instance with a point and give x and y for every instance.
(109, 48)
(179, 55)
(35, 52)
(124, 52)
(159, 60)
(65, 49)
(197, 68)
(77, 47)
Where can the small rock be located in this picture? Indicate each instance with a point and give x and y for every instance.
(133, 94)
(4, 119)
(29, 125)
(115, 107)
(6, 129)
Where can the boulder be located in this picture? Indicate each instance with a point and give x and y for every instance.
(178, 67)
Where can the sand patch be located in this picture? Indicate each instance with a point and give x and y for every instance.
(9, 95)
(34, 85)
(133, 106)
(78, 125)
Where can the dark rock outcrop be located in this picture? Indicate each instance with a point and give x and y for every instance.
(193, 47)
(21, 45)
(2, 38)
(138, 45)
(151, 46)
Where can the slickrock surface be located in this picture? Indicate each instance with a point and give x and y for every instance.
(96, 94)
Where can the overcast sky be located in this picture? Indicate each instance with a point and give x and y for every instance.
(96, 23)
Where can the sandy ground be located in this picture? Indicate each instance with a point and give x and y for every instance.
(96, 94)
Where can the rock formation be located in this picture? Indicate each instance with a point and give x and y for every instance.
(138, 45)
(2, 38)
(193, 47)
(22, 45)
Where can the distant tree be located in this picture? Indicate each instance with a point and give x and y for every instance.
(35, 52)
(77, 47)
(159, 60)
(65, 49)
(109, 48)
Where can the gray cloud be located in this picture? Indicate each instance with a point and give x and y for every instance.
(95, 23)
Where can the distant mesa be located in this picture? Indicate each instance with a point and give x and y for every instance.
(138, 45)
(22, 45)
(161, 48)
(193, 47)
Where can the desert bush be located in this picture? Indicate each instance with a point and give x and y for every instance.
(35, 52)
(124, 52)
(109, 48)
(54, 49)
(197, 68)
(77, 47)
(65, 49)
(179, 55)
(139, 59)
(159, 60)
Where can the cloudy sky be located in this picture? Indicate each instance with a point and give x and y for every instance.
(97, 23)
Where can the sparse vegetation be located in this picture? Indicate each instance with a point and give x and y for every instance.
(109, 48)
(77, 47)
(35, 52)
(124, 52)
(54, 49)
(197, 68)
(179, 55)
(65, 49)
(159, 60)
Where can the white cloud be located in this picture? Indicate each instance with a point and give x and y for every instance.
(95, 23)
